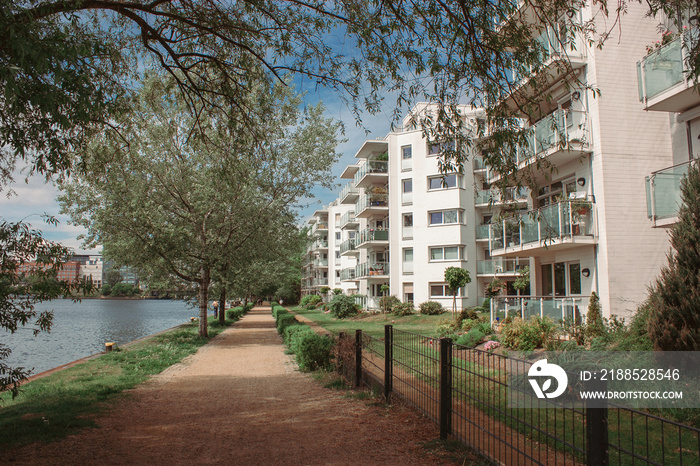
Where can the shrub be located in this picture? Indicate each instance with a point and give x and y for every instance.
(314, 351)
(293, 334)
(469, 314)
(342, 306)
(594, 319)
(445, 329)
(284, 321)
(403, 309)
(472, 338)
(431, 308)
(235, 313)
(311, 307)
(528, 335)
(310, 299)
(387, 303)
(106, 290)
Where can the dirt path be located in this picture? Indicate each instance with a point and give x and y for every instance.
(240, 400)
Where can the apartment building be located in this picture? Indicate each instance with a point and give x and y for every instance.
(665, 88)
(586, 227)
(323, 264)
(92, 266)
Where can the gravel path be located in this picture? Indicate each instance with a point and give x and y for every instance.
(241, 400)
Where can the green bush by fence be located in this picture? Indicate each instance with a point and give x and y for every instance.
(312, 351)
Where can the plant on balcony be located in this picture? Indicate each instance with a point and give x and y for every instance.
(494, 288)
(667, 37)
(674, 299)
(383, 157)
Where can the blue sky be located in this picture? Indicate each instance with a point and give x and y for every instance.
(34, 198)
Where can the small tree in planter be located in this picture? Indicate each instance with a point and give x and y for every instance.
(456, 278)
(385, 292)
(324, 292)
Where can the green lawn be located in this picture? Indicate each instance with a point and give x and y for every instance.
(374, 324)
(52, 407)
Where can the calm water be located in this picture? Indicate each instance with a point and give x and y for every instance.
(81, 329)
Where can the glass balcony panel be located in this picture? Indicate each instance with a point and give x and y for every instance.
(482, 232)
(664, 191)
(512, 231)
(663, 69)
(528, 226)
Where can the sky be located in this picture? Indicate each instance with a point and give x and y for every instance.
(30, 200)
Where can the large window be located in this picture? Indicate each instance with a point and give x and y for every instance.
(445, 253)
(561, 279)
(408, 260)
(407, 231)
(445, 217)
(407, 191)
(441, 290)
(435, 148)
(440, 182)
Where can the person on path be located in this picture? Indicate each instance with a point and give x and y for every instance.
(215, 304)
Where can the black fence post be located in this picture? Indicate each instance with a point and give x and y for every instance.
(388, 360)
(358, 357)
(445, 387)
(597, 424)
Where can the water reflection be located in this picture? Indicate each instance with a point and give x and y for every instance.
(81, 329)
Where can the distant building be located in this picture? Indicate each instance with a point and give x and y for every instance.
(69, 272)
(91, 265)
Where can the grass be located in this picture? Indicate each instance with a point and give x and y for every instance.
(55, 406)
(374, 324)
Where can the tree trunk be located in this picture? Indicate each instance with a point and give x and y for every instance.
(222, 306)
(204, 302)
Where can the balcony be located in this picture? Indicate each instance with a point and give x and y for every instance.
(348, 221)
(555, 307)
(368, 238)
(558, 226)
(348, 274)
(347, 248)
(562, 52)
(320, 244)
(320, 263)
(349, 194)
(372, 270)
(320, 282)
(482, 232)
(663, 84)
(664, 194)
(495, 196)
(479, 165)
(372, 172)
(370, 205)
(323, 226)
(500, 266)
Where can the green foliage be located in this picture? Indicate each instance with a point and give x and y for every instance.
(403, 309)
(337, 291)
(284, 320)
(528, 335)
(522, 282)
(446, 329)
(386, 303)
(472, 338)
(431, 308)
(594, 318)
(124, 289)
(314, 351)
(293, 334)
(494, 288)
(674, 299)
(342, 306)
(106, 290)
(324, 290)
(235, 313)
(311, 299)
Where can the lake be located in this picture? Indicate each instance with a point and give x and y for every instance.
(81, 329)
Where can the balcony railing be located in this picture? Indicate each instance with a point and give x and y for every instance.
(557, 308)
(566, 219)
(349, 190)
(320, 263)
(320, 244)
(320, 226)
(369, 201)
(347, 245)
(664, 191)
(500, 266)
(372, 269)
(495, 196)
(348, 217)
(555, 44)
(320, 281)
(482, 232)
(368, 235)
(557, 130)
(347, 274)
(371, 167)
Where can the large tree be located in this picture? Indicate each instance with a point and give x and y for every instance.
(187, 197)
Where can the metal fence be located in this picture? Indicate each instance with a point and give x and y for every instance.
(464, 391)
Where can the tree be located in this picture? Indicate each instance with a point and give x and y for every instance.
(113, 277)
(22, 285)
(594, 318)
(456, 278)
(674, 299)
(185, 202)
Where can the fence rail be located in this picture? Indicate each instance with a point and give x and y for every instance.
(463, 390)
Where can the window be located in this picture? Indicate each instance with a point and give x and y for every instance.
(337, 236)
(337, 254)
(406, 158)
(407, 191)
(435, 148)
(440, 290)
(558, 190)
(561, 279)
(407, 230)
(439, 182)
(446, 253)
(445, 217)
(408, 260)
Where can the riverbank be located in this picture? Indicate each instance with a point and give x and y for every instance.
(60, 403)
